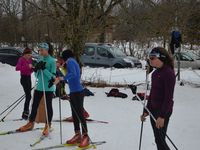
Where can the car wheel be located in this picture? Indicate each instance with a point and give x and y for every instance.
(118, 66)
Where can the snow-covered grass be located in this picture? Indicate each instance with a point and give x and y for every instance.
(122, 132)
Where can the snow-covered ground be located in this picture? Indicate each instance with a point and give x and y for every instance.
(122, 132)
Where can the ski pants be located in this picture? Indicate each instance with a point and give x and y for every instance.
(159, 134)
(76, 102)
(36, 101)
(27, 85)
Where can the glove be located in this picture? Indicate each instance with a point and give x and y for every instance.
(40, 66)
(51, 82)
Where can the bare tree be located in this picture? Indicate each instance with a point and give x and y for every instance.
(77, 18)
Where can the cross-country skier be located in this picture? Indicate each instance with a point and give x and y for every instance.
(76, 99)
(24, 65)
(60, 72)
(45, 70)
(160, 102)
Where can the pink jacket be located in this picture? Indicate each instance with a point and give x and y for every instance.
(23, 66)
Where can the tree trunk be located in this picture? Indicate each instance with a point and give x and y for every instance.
(191, 46)
(131, 49)
(164, 42)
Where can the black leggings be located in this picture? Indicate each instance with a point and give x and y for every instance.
(27, 85)
(159, 134)
(36, 101)
(76, 102)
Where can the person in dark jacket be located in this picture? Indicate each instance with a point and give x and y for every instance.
(160, 101)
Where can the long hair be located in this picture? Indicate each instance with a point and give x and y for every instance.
(51, 50)
(168, 60)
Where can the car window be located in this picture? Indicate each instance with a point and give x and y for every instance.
(89, 51)
(118, 52)
(184, 57)
(12, 51)
(5, 51)
(193, 55)
(102, 52)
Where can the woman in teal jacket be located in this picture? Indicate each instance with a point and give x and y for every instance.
(45, 71)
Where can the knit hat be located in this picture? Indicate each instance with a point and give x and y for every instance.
(27, 51)
(44, 46)
(156, 52)
(67, 54)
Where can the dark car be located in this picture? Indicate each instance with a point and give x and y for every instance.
(10, 55)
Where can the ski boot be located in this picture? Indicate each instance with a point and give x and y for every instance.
(25, 115)
(85, 141)
(65, 97)
(46, 129)
(76, 139)
(70, 119)
(86, 114)
(29, 126)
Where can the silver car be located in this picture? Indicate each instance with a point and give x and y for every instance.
(106, 55)
(188, 60)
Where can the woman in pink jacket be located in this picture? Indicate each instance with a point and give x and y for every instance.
(25, 66)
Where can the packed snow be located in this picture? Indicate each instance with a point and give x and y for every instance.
(122, 132)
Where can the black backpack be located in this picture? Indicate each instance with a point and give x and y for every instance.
(115, 93)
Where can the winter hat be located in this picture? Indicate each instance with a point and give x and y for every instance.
(44, 46)
(27, 51)
(67, 54)
(156, 52)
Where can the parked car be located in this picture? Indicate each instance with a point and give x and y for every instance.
(106, 55)
(10, 55)
(188, 60)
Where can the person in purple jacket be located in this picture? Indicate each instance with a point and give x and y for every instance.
(160, 102)
(25, 66)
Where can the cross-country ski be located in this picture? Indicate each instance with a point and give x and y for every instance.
(17, 131)
(75, 146)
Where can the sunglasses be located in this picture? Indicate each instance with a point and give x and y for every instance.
(153, 57)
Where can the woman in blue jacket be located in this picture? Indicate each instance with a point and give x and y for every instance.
(76, 99)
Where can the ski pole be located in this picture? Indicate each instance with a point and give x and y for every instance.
(45, 101)
(2, 120)
(145, 99)
(23, 96)
(12, 104)
(152, 116)
(60, 113)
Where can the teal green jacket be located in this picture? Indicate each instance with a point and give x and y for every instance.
(48, 73)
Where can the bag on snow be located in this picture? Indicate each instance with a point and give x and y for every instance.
(41, 114)
(87, 92)
(115, 93)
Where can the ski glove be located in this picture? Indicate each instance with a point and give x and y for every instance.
(40, 66)
(51, 82)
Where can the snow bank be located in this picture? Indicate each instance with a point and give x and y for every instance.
(122, 132)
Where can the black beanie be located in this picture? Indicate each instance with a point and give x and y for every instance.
(67, 54)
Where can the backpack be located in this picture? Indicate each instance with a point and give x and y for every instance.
(87, 92)
(115, 93)
(176, 38)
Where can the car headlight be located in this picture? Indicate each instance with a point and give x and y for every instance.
(127, 60)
